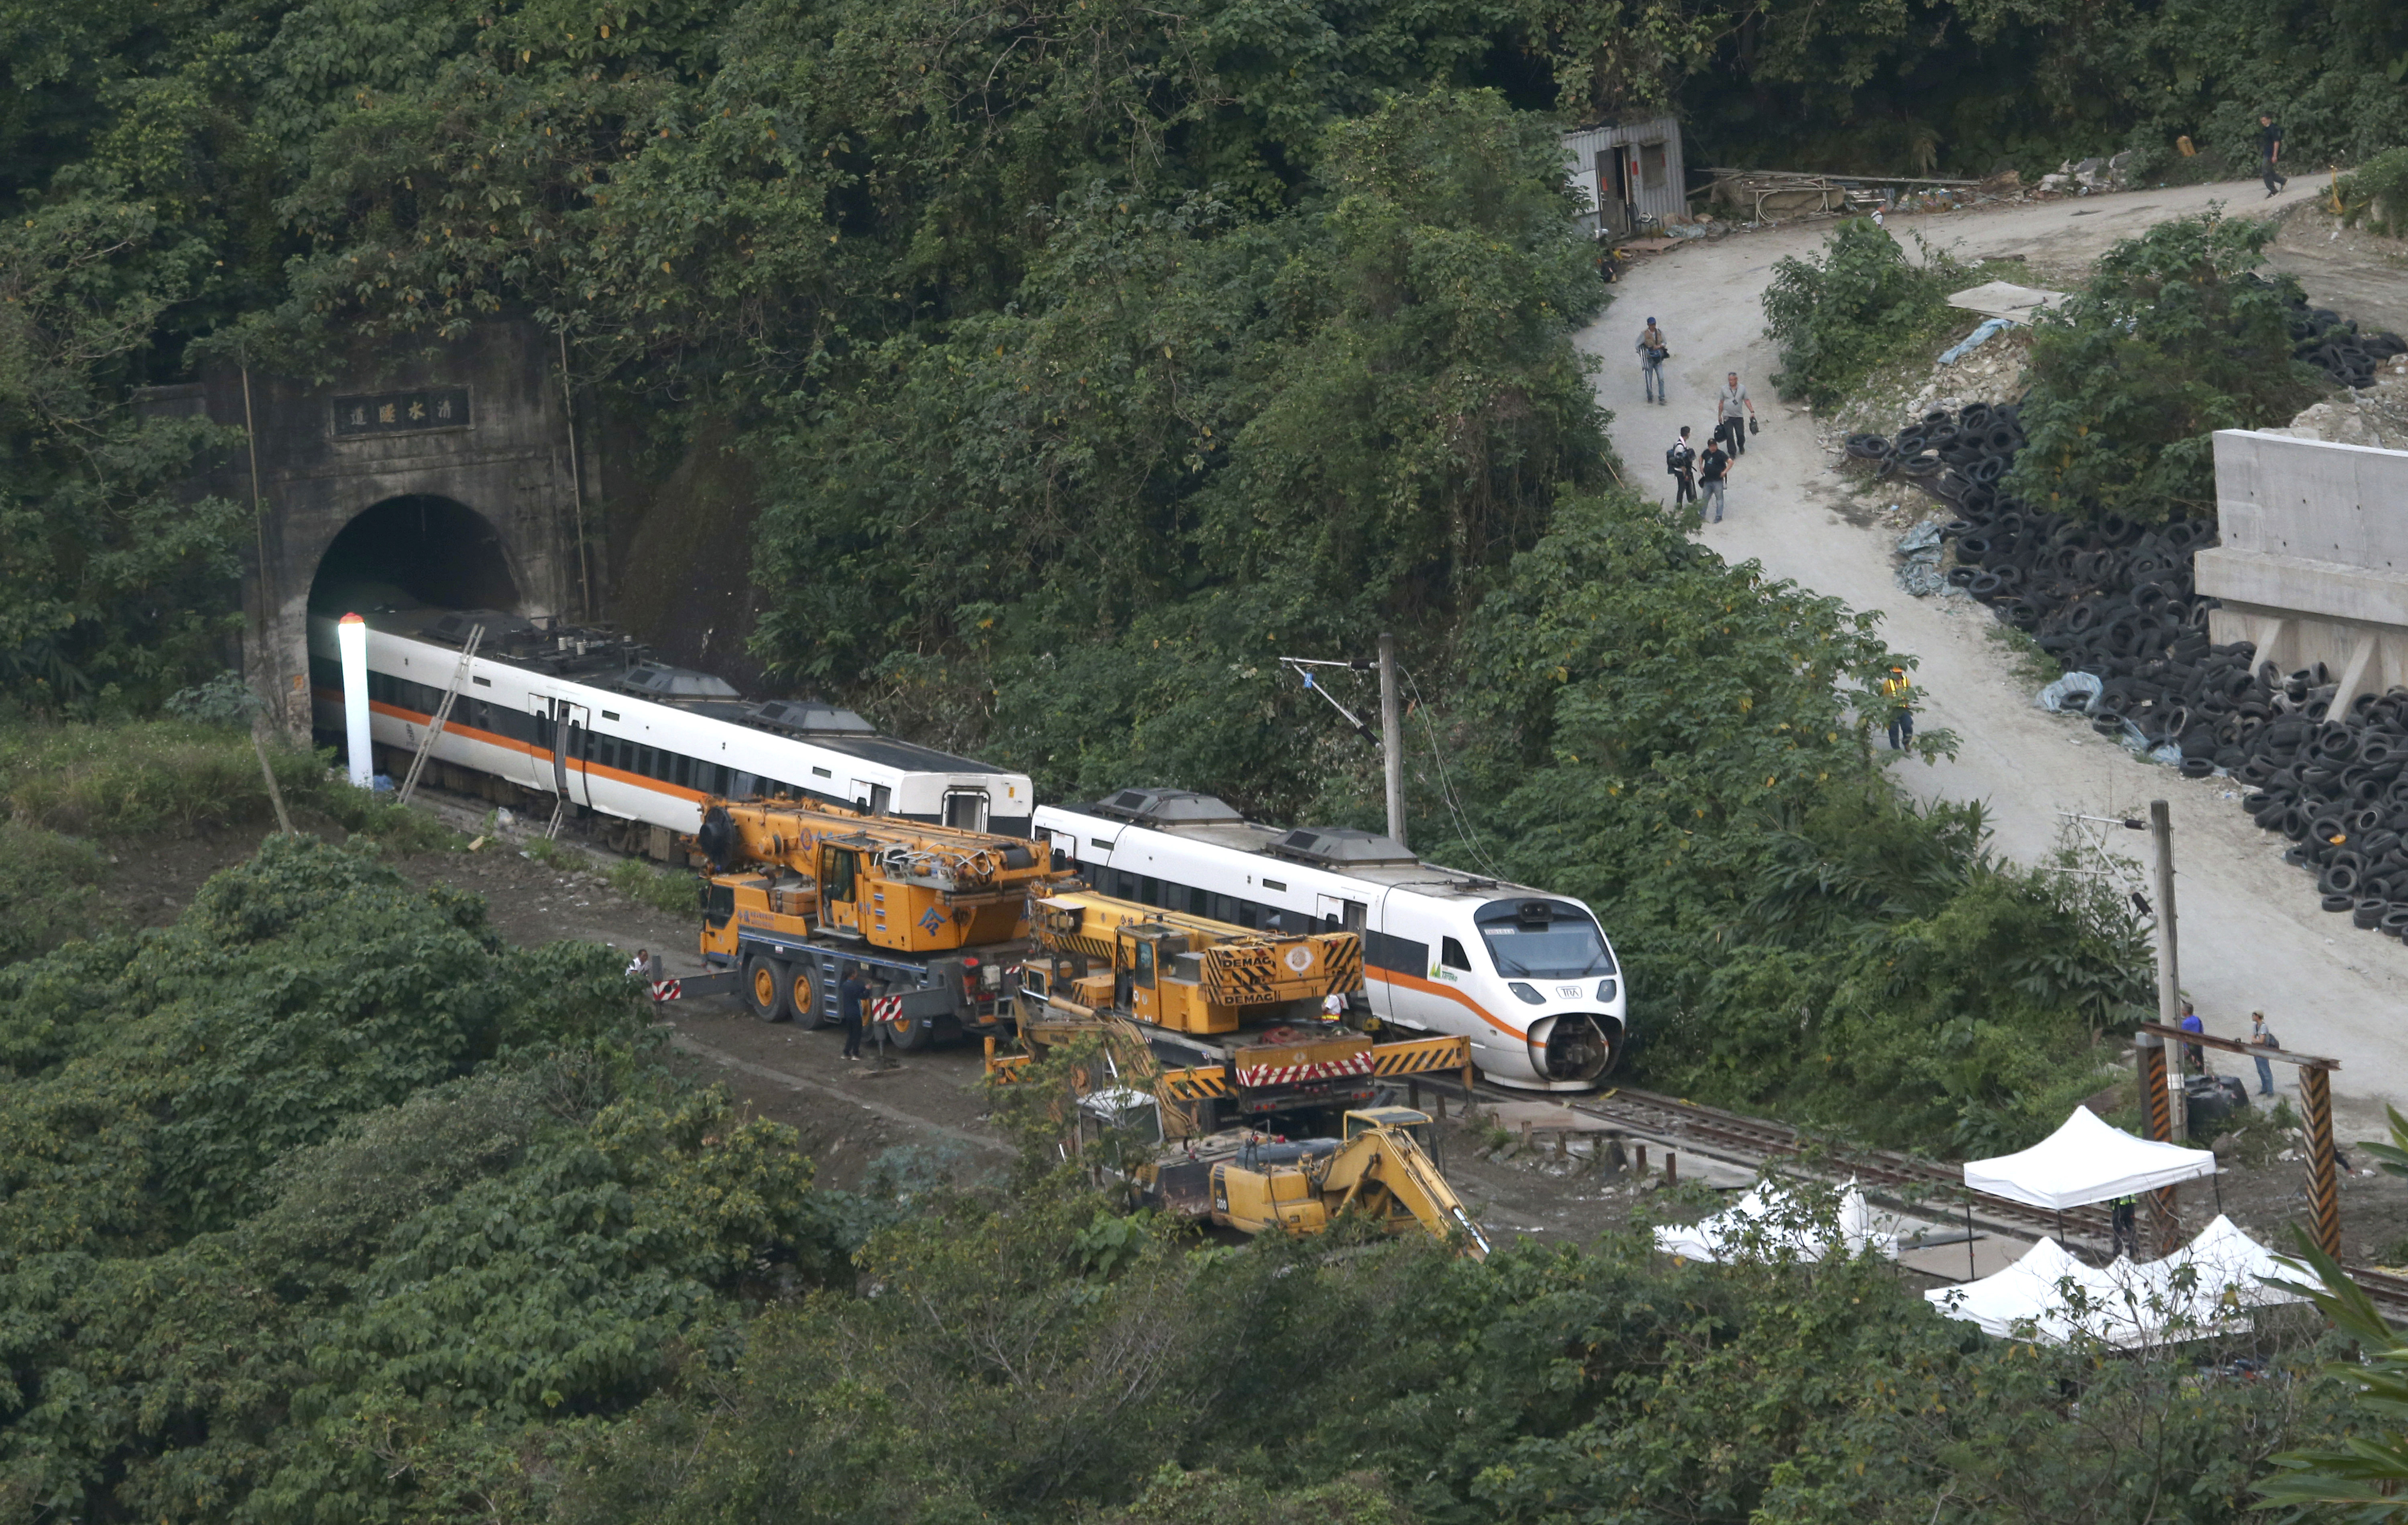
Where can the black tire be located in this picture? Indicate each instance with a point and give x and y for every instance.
(2367, 914)
(803, 994)
(2338, 880)
(2198, 766)
(765, 988)
(2394, 922)
(2338, 902)
(907, 1035)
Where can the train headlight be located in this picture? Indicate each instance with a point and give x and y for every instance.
(1607, 990)
(1527, 993)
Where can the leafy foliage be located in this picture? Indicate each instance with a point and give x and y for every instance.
(2175, 337)
(319, 1203)
(2376, 194)
(1690, 746)
(1389, 1381)
(1861, 303)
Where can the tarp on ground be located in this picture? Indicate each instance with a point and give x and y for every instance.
(1773, 1220)
(2086, 1161)
(2206, 1287)
(2005, 299)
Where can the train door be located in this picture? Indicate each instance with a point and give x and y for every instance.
(571, 731)
(965, 809)
(872, 799)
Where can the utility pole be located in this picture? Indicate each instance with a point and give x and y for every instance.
(2161, 837)
(1392, 737)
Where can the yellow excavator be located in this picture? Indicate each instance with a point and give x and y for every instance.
(1384, 1167)
(933, 916)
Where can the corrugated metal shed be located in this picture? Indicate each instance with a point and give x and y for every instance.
(1628, 170)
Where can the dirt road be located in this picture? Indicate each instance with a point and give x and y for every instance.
(2252, 937)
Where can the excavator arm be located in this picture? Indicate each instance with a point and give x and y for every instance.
(1386, 1174)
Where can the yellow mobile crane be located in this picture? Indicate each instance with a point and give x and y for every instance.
(933, 916)
(1216, 1021)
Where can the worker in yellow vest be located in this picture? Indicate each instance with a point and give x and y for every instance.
(1900, 693)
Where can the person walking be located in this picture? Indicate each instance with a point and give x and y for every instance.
(1714, 472)
(1900, 691)
(2270, 152)
(1682, 462)
(2124, 1227)
(2194, 1055)
(1653, 352)
(1733, 413)
(2260, 1038)
(848, 997)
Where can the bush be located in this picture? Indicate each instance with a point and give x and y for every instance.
(50, 892)
(1862, 303)
(2175, 337)
(670, 891)
(1690, 746)
(320, 1204)
(178, 777)
(2376, 194)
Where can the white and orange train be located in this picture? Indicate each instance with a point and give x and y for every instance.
(1526, 976)
(555, 710)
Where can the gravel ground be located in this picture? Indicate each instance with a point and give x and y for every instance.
(2252, 935)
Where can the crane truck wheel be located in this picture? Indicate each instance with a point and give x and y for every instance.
(803, 993)
(909, 1034)
(765, 989)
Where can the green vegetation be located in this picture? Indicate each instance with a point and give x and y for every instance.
(2376, 194)
(152, 778)
(1697, 750)
(2175, 337)
(1862, 304)
(672, 890)
(322, 1204)
(51, 891)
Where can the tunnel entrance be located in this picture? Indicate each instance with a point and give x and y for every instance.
(434, 551)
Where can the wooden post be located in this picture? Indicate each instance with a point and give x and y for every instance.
(2324, 1184)
(1671, 1168)
(1642, 1159)
(2158, 1106)
(2161, 838)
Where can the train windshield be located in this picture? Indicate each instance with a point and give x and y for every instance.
(1543, 939)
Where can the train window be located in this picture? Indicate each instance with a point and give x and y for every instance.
(822, 772)
(1450, 953)
(482, 682)
(681, 770)
(647, 762)
(1274, 884)
(1199, 902)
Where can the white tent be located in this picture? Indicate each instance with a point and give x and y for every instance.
(1771, 1219)
(2086, 1161)
(2039, 1291)
(2204, 1288)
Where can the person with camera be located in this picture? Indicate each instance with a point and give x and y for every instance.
(1653, 351)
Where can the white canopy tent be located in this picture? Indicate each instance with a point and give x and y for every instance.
(2086, 1161)
(2207, 1288)
(1772, 1219)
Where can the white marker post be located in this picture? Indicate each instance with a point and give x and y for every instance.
(352, 635)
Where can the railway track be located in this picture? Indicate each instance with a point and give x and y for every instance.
(1923, 1184)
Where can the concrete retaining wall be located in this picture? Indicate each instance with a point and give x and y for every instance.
(2313, 563)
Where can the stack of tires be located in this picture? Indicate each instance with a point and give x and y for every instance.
(2115, 599)
(2333, 345)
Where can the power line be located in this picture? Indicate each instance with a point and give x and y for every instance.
(1446, 786)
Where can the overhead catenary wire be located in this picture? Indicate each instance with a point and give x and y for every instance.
(1446, 785)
